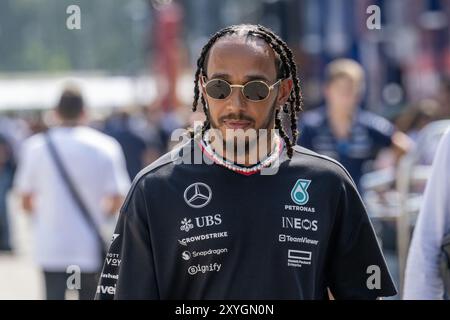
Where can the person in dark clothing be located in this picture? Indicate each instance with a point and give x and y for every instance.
(343, 131)
(7, 168)
(133, 146)
(227, 227)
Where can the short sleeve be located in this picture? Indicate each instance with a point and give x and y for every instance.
(117, 180)
(27, 168)
(128, 271)
(356, 266)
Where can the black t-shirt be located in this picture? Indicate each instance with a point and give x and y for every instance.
(202, 231)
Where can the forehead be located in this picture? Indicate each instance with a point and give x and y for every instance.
(240, 58)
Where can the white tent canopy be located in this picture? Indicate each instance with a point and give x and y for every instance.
(43, 92)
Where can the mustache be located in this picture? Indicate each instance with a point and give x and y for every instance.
(238, 117)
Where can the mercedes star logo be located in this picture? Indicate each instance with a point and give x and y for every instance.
(197, 195)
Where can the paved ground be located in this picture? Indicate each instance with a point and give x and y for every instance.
(19, 276)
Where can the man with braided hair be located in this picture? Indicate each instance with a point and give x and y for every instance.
(223, 228)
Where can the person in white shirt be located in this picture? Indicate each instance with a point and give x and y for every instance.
(95, 164)
(422, 276)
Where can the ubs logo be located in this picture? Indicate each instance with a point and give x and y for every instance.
(200, 222)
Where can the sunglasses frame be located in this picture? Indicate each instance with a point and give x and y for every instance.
(271, 87)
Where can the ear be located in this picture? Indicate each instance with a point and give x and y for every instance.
(284, 91)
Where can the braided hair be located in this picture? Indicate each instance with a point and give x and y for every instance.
(286, 68)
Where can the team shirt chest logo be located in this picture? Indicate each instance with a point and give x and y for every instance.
(299, 193)
(186, 225)
(197, 195)
(200, 222)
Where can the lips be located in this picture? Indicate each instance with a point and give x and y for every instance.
(237, 124)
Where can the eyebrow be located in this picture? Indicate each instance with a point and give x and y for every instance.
(250, 77)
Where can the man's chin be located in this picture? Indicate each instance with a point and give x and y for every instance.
(248, 134)
(240, 135)
(240, 142)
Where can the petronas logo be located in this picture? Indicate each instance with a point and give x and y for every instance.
(299, 193)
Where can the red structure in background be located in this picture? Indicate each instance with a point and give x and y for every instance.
(167, 29)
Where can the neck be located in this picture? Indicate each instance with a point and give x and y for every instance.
(340, 121)
(246, 154)
(339, 112)
(70, 123)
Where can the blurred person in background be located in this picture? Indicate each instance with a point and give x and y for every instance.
(444, 99)
(415, 118)
(95, 164)
(341, 130)
(14, 129)
(118, 126)
(162, 123)
(146, 123)
(423, 280)
(7, 168)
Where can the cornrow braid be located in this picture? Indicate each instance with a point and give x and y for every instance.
(283, 135)
(286, 68)
(295, 94)
(201, 63)
(295, 99)
(290, 71)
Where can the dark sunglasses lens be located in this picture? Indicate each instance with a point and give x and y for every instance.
(218, 89)
(256, 91)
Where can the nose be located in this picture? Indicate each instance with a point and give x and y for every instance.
(235, 102)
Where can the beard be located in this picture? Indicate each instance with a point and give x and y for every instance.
(241, 142)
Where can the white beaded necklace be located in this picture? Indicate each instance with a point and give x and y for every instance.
(205, 142)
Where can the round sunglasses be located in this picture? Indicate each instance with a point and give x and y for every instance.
(255, 91)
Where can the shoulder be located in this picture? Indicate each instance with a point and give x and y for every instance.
(375, 122)
(443, 151)
(157, 171)
(321, 165)
(33, 143)
(97, 137)
(99, 141)
(446, 140)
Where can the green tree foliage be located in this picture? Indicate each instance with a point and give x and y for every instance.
(34, 36)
